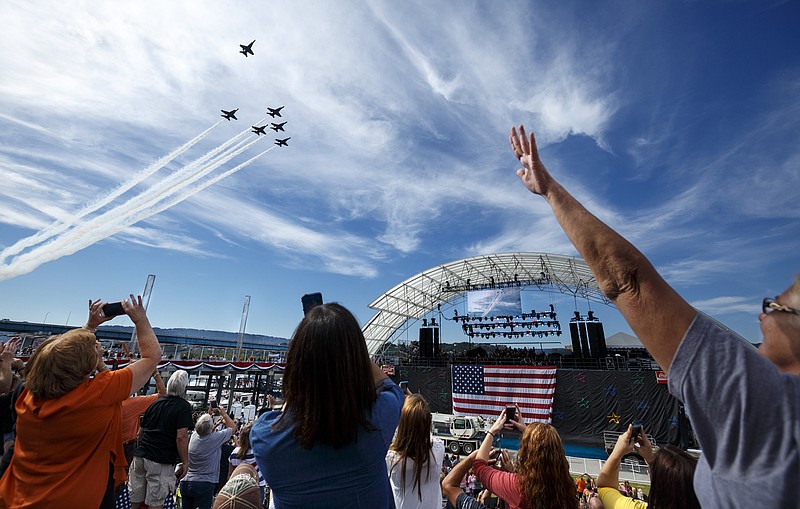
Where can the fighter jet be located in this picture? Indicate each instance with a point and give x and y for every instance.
(282, 143)
(229, 114)
(277, 127)
(259, 130)
(274, 112)
(248, 48)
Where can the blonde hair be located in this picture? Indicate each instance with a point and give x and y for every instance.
(413, 439)
(244, 440)
(542, 470)
(61, 364)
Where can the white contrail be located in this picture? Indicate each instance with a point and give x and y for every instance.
(29, 261)
(156, 190)
(60, 226)
(143, 201)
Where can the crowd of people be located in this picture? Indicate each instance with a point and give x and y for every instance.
(345, 435)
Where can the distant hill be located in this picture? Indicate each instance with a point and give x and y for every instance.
(215, 335)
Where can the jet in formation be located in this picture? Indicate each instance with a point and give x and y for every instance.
(230, 114)
(282, 143)
(277, 127)
(276, 112)
(259, 130)
(247, 48)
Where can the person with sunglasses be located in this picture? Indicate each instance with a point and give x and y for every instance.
(744, 404)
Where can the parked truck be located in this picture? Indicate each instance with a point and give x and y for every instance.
(461, 434)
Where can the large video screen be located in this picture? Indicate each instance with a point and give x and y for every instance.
(495, 302)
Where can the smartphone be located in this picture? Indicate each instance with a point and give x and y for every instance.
(511, 413)
(310, 301)
(636, 430)
(214, 404)
(403, 385)
(113, 309)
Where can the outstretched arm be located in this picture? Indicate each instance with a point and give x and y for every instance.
(451, 485)
(656, 313)
(148, 343)
(609, 474)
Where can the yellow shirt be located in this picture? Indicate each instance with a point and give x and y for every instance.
(613, 499)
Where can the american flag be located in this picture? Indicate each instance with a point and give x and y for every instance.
(487, 390)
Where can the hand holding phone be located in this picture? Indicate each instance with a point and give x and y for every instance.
(511, 415)
(214, 404)
(636, 430)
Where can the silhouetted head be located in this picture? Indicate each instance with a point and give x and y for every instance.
(328, 386)
(672, 480)
(543, 470)
(61, 363)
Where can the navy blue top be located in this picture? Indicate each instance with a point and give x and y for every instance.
(351, 476)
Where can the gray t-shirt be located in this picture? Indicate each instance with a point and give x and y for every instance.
(204, 454)
(746, 416)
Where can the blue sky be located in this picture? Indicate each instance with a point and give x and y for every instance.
(675, 122)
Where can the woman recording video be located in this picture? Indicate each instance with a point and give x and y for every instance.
(327, 446)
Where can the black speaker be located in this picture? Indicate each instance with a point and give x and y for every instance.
(437, 350)
(426, 342)
(576, 340)
(597, 339)
(311, 300)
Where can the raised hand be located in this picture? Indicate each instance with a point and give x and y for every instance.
(533, 173)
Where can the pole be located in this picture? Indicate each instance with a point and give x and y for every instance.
(239, 340)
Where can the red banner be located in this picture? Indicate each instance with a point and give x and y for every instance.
(661, 377)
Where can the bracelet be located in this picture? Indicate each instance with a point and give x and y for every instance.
(490, 433)
(93, 331)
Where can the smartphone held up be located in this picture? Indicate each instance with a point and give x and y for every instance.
(113, 309)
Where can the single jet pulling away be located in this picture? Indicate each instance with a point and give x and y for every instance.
(229, 114)
(274, 112)
(247, 48)
(282, 143)
(277, 127)
(259, 130)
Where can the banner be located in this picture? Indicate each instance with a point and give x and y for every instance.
(487, 390)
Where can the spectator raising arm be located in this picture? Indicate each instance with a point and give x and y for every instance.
(149, 348)
(609, 474)
(160, 387)
(6, 360)
(451, 485)
(656, 313)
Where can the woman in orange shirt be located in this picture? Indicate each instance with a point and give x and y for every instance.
(69, 434)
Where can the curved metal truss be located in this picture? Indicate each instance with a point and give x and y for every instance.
(426, 291)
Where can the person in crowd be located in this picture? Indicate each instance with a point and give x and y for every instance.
(541, 476)
(241, 491)
(205, 448)
(132, 410)
(243, 453)
(671, 474)
(69, 433)
(225, 451)
(340, 413)
(415, 457)
(580, 484)
(9, 382)
(163, 438)
(451, 485)
(719, 377)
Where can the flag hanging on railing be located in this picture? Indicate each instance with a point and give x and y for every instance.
(487, 390)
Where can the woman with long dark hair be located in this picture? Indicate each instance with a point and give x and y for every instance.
(327, 446)
(414, 459)
(541, 478)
